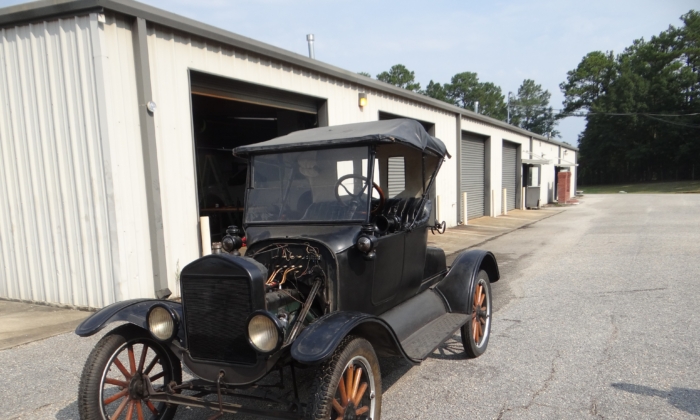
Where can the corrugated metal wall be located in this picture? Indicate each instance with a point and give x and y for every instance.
(73, 217)
(173, 53)
(55, 234)
(134, 267)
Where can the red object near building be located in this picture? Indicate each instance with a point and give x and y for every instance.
(563, 187)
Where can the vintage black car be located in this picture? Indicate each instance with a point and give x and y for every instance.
(337, 271)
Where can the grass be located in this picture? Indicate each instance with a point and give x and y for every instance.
(644, 188)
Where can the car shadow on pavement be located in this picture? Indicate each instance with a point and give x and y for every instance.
(393, 369)
(684, 399)
(451, 349)
(69, 412)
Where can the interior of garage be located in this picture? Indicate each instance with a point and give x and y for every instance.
(226, 114)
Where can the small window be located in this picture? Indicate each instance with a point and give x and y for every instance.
(396, 176)
(533, 176)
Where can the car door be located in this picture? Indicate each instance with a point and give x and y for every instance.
(388, 268)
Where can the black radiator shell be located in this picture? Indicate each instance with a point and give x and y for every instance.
(219, 292)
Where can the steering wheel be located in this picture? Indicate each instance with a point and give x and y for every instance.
(356, 197)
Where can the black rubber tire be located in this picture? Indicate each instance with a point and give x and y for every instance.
(89, 404)
(471, 347)
(328, 375)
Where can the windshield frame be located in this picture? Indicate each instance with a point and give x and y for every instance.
(370, 153)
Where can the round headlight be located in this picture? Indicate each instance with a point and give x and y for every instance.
(263, 333)
(161, 323)
(364, 244)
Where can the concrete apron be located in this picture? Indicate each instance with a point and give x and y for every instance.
(483, 229)
(22, 323)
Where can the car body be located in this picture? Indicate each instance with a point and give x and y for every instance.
(337, 271)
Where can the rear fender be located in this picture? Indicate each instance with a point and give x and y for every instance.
(132, 311)
(319, 340)
(457, 285)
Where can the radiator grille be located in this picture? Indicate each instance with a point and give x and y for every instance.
(215, 313)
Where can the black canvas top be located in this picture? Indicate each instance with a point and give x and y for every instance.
(401, 130)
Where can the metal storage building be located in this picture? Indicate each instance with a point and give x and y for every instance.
(113, 118)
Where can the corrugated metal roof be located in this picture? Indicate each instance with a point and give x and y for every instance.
(51, 8)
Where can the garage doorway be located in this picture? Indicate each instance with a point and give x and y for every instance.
(228, 113)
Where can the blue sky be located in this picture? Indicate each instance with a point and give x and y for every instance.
(503, 41)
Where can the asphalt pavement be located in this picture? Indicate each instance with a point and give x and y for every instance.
(595, 317)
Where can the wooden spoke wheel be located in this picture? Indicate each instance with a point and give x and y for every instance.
(113, 385)
(348, 386)
(475, 333)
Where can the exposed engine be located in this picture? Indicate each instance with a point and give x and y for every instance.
(297, 285)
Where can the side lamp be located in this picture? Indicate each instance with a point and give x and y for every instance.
(367, 242)
(362, 99)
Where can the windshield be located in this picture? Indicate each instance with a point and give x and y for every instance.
(310, 186)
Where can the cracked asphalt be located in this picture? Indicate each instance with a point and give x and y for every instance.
(596, 316)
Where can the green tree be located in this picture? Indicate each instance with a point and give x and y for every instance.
(364, 73)
(492, 101)
(530, 109)
(465, 90)
(640, 108)
(437, 91)
(590, 80)
(399, 75)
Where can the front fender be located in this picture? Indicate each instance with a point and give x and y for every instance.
(133, 311)
(320, 339)
(457, 285)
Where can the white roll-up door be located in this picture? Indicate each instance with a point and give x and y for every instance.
(396, 176)
(510, 172)
(473, 174)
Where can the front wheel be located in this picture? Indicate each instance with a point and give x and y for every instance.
(476, 332)
(348, 385)
(112, 385)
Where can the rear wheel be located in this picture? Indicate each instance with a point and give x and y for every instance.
(476, 332)
(112, 385)
(348, 385)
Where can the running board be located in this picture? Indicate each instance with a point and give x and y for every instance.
(424, 341)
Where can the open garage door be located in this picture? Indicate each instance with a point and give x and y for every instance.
(208, 85)
(229, 113)
(510, 173)
(473, 174)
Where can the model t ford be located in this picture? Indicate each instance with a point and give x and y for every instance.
(337, 271)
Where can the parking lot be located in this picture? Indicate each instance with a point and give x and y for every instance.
(595, 317)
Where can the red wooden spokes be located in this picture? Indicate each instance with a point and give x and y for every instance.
(132, 360)
(131, 406)
(479, 313)
(151, 407)
(350, 390)
(139, 411)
